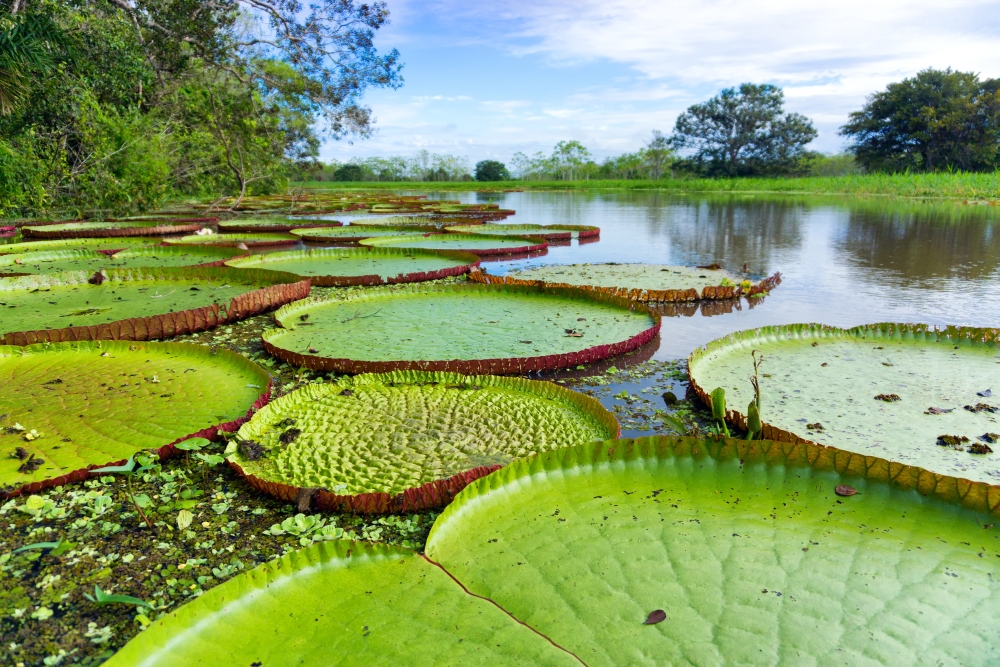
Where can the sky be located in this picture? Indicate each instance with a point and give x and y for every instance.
(486, 79)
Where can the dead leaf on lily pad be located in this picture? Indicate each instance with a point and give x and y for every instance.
(656, 616)
(845, 490)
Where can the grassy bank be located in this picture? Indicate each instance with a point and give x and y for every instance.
(978, 187)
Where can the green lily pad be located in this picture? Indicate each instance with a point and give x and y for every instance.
(480, 244)
(82, 230)
(397, 221)
(407, 441)
(89, 404)
(327, 267)
(743, 548)
(55, 261)
(642, 282)
(271, 224)
(245, 239)
(390, 607)
(462, 328)
(821, 384)
(354, 233)
(98, 245)
(551, 232)
(136, 304)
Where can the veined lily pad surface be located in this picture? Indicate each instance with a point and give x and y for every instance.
(246, 239)
(480, 244)
(743, 547)
(82, 230)
(462, 328)
(407, 441)
(398, 221)
(270, 224)
(643, 282)
(363, 266)
(886, 390)
(543, 231)
(55, 261)
(136, 304)
(87, 404)
(354, 233)
(99, 245)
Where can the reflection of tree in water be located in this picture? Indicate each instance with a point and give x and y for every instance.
(707, 308)
(921, 241)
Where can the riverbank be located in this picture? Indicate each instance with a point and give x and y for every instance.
(961, 186)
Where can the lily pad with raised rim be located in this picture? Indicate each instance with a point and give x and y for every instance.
(110, 246)
(743, 549)
(407, 441)
(640, 282)
(356, 233)
(89, 404)
(400, 221)
(327, 267)
(479, 244)
(461, 328)
(822, 384)
(136, 304)
(235, 240)
(550, 232)
(83, 230)
(271, 225)
(55, 261)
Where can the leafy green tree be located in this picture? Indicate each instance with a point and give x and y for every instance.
(743, 132)
(569, 157)
(349, 172)
(491, 170)
(658, 154)
(935, 121)
(29, 46)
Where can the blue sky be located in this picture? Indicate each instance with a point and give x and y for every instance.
(483, 80)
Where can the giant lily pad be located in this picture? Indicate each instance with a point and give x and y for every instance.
(327, 267)
(640, 282)
(108, 246)
(355, 233)
(479, 244)
(246, 240)
(83, 230)
(399, 221)
(136, 304)
(658, 551)
(461, 328)
(55, 261)
(270, 225)
(407, 441)
(550, 232)
(887, 390)
(88, 404)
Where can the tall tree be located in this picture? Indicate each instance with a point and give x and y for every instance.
(937, 120)
(658, 154)
(743, 132)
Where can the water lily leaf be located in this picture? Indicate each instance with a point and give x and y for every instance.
(54, 261)
(356, 233)
(640, 282)
(407, 441)
(136, 304)
(479, 244)
(549, 232)
(326, 267)
(82, 230)
(106, 408)
(246, 239)
(839, 378)
(391, 607)
(271, 224)
(109, 246)
(461, 328)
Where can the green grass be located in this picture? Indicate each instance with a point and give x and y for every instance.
(939, 185)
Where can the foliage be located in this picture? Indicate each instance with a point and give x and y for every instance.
(491, 170)
(937, 120)
(743, 132)
(424, 166)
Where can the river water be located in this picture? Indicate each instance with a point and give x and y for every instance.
(844, 261)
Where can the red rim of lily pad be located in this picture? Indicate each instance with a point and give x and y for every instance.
(164, 452)
(531, 244)
(503, 366)
(107, 232)
(432, 495)
(468, 262)
(163, 218)
(708, 293)
(276, 226)
(280, 288)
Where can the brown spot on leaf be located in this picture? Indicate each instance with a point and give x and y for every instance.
(887, 398)
(952, 440)
(979, 448)
(97, 278)
(251, 450)
(845, 490)
(938, 411)
(655, 616)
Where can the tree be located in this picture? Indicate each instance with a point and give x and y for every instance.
(29, 45)
(658, 154)
(743, 132)
(937, 120)
(349, 172)
(569, 157)
(491, 170)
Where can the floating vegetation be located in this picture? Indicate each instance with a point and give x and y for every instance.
(641, 282)
(244, 240)
(342, 267)
(581, 548)
(356, 233)
(83, 230)
(109, 246)
(462, 328)
(548, 232)
(70, 406)
(818, 374)
(246, 224)
(406, 441)
(136, 304)
(55, 261)
(479, 244)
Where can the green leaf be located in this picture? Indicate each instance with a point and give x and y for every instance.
(247, 239)
(478, 243)
(53, 261)
(38, 546)
(659, 277)
(101, 598)
(354, 233)
(192, 444)
(539, 231)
